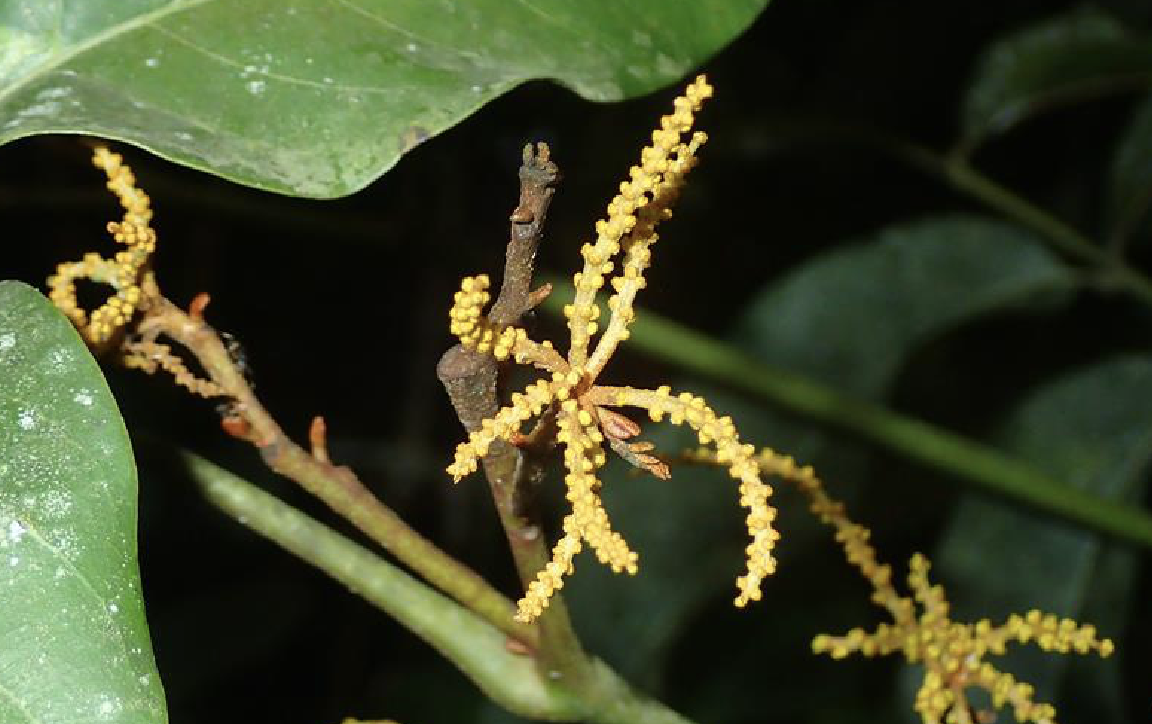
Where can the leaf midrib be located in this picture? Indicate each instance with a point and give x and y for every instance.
(151, 18)
(18, 703)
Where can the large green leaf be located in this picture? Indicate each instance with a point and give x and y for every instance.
(74, 642)
(1081, 54)
(1091, 429)
(850, 318)
(319, 97)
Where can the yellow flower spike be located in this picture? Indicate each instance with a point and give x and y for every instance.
(551, 578)
(582, 457)
(634, 196)
(508, 420)
(637, 249)
(151, 356)
(951, 653)
(124, 272)
(754, 494)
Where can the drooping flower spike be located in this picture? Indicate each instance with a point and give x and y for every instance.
(952, 653)
(133, 283)
(125, 272)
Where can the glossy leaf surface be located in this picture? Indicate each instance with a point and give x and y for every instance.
(74, 645)
(1082, 54)
(318, 98)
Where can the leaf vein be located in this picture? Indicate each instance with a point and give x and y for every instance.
(34, 533)
(112, 31)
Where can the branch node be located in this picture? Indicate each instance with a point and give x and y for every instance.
(537, 296)
(318, 438)
(235, 424)
(197, 306)
(516, 647)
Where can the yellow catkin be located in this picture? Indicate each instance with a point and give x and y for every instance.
(951, 653)
(507, 421)
(124, 273)
(551, 578)
(583, 455)
(738, 458)
(637, 255)
(150, 356)
(634, 195)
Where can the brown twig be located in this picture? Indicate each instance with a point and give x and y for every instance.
(470, 380)
(336, 485)
(538, 180)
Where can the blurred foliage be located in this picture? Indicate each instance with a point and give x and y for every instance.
(834, 261)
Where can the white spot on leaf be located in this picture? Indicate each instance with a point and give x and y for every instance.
(16, 531)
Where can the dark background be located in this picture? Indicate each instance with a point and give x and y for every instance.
(342, 305)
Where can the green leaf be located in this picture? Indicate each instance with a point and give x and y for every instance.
(1130, 176)
(319, 97)
(1082, 54)
(73, 638)
(1091, 429)
(850, 317)
(823, 320)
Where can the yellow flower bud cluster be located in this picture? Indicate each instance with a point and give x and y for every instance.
(476, 331)
(637, 245)
(852, 537)
(125, 272)
(662, 165)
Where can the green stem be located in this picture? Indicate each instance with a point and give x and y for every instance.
(955, 170)
(1108, 268)
(336, 485)
(472, 644)
(475, 646)
(966, 459)
(1059, 235)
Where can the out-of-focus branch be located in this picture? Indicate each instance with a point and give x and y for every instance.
(471, 643)
(336, 485)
